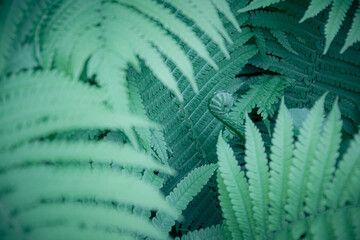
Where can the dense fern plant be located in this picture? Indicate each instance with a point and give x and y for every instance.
(300, 192)
(79, 157)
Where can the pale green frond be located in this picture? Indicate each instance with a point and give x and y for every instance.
(237, 187)
(183, 193)
(137, 108)
(336, 17)
(158, 144)
(315, 7)
(257, 171)
(323, 165)
(11, 13)
(224, 8)
(71, 232)
(353, 35)
(89, 215)
(170, 22)
(345, 185)
(330, 224)
(304, 155)
(320, 228)
(31, 184)
(194, 11)
(209, 233)
(84, 152)
(254, 4)
(110, 75)
(159, 38)
(231, 226)
(281, 155)
(342, 223)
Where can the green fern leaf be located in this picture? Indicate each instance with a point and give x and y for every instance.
(315, 7)
(230, 221)
(84, 152)
(323, 166)
(69, 232)
(210, 26)
(32, 183)
(170, 22)
(342, 224)
(184, 192)
(88, 215)
(11, 13)
(283, 40)
(281, 155)
(258, 175)
(209, 233)
(336, 18)
(264, 93)
(158, 144)
(258, 4)
(353, 34)
(237, 187)
(224, 8)
(320, 228)
(344, 187)
(304, 155)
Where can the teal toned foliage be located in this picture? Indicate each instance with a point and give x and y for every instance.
(301, 174)
(110, 112)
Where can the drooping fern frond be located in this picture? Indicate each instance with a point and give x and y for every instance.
(148, 39)
(318, 203)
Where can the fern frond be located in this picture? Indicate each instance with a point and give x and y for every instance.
(184, 192)
(281, 154)
(263, 94)
(353, 35)
(336, 224)
(209, 233)
(231, 226)
(258, 4)
(33, 183)
(237, 187)
(84, 152)
(304, 155)
(258, 175)
(342, 224)
(71, 214)
(11, 13)
(170, 22)
(315, 7)
(323, 166)
(283, 40)
(224, 8)
(158, 144)
(336, 18)
(198, 11)
(344, 187)
(65, 105)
